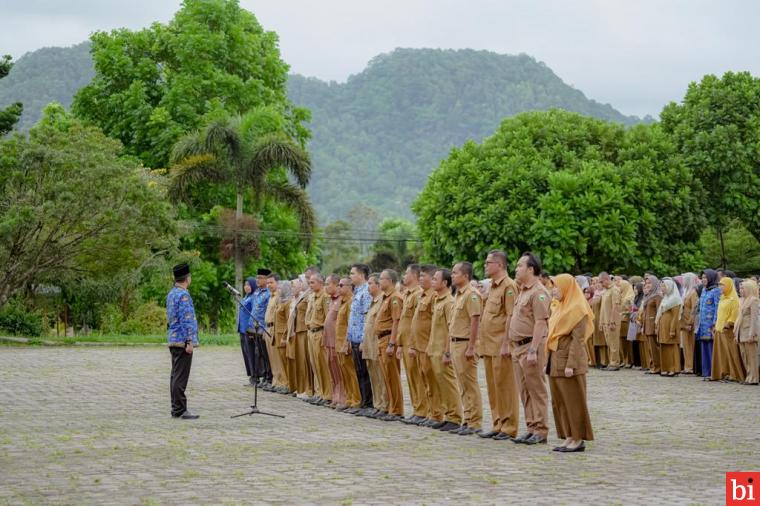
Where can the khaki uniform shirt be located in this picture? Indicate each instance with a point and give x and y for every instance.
(607, 313)
(369, 345)
(390, 310)
(423, 316)
(281, 322)
(316, 311)
(410, 297)
(439, 326)
(341, 326)
(532, 305)
(467, 303)
(496, 315)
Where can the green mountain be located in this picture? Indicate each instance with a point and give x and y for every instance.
(377, 136)
(50, 74)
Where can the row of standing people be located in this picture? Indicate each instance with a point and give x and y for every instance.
(704, 325)
(339, 342)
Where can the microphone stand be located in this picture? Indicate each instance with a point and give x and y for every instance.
(257, 329)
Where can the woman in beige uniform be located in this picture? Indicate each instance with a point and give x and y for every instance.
(570, 325)
(600, 343)
(688, 313)
(727, 364)
(747, 330)
(647, 315)
(667, 320)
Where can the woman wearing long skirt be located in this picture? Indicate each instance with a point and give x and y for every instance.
(690, 281)
(570, 325)
(727, 364)
(708, 312)
(667, 321)
(747, 329)
(647, 317)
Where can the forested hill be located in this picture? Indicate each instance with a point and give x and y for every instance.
(377, 136)
(50, 74)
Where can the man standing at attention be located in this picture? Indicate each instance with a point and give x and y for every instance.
(386, 329)
(182, 337)
(463, 329)
(356, 320)
(417, 393)
(527, 333)
(494, 348)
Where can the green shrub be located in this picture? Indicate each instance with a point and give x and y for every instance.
(148, 318)
(16, 319)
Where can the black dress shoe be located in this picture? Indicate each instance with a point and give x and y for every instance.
(580, 448)
(535, 439)
(488, 435)
(448, 426)
(468, 431)
(390, 418)
(501, 436)
(438, 425)
(458, 429)
(409, 421)
(352, 411)
(188, 416)
(523, 438)
(380, 415)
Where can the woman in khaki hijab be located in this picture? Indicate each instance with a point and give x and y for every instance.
(666, 322)
(570, 326)
(747, 330)
(726, 363)
(600, 343)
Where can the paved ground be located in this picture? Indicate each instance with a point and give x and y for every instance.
(92, 426)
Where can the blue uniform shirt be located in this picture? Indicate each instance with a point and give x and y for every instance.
(708, 312)
(260, 302)
(180, 316)
(359, 307)
(244, 319)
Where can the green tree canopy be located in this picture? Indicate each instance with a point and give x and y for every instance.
(583, 193)
(73, 206)
(11, 114)
(153, 85)
(716, 129)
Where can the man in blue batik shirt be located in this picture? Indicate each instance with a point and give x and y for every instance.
(260, 298)
(182, 336)
(359, 307)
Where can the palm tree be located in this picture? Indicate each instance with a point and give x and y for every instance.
(246, 152)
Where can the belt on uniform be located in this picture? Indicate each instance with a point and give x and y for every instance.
(383, 333)
(316, 329)
(523, 341)
(459, 339)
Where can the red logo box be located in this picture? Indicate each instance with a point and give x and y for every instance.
(742, 489)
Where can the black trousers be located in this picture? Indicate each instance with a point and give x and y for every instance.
(260, 358)
(362, 374)
(245, 348)
(181, 362)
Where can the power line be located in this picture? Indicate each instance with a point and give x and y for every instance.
(355, 236)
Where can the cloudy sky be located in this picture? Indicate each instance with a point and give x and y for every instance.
(634, 54)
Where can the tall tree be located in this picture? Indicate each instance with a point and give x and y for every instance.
(73, 207)
(716, 128)
(584, 193)
(152, 86)
(247, 153)
(11, 114)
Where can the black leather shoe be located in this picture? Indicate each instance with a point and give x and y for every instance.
(501, 436)
(580, 448)
(380, 415)
(448, 426)
(535, 439)
(390, 418)
(488, 435)
(188, 416)
(438, 425)
(467, 431)
(523, 438)
(352, 411)
(409, 421)
(421, 421)
(458, 429)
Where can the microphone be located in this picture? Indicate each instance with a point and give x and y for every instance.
(231, 289)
